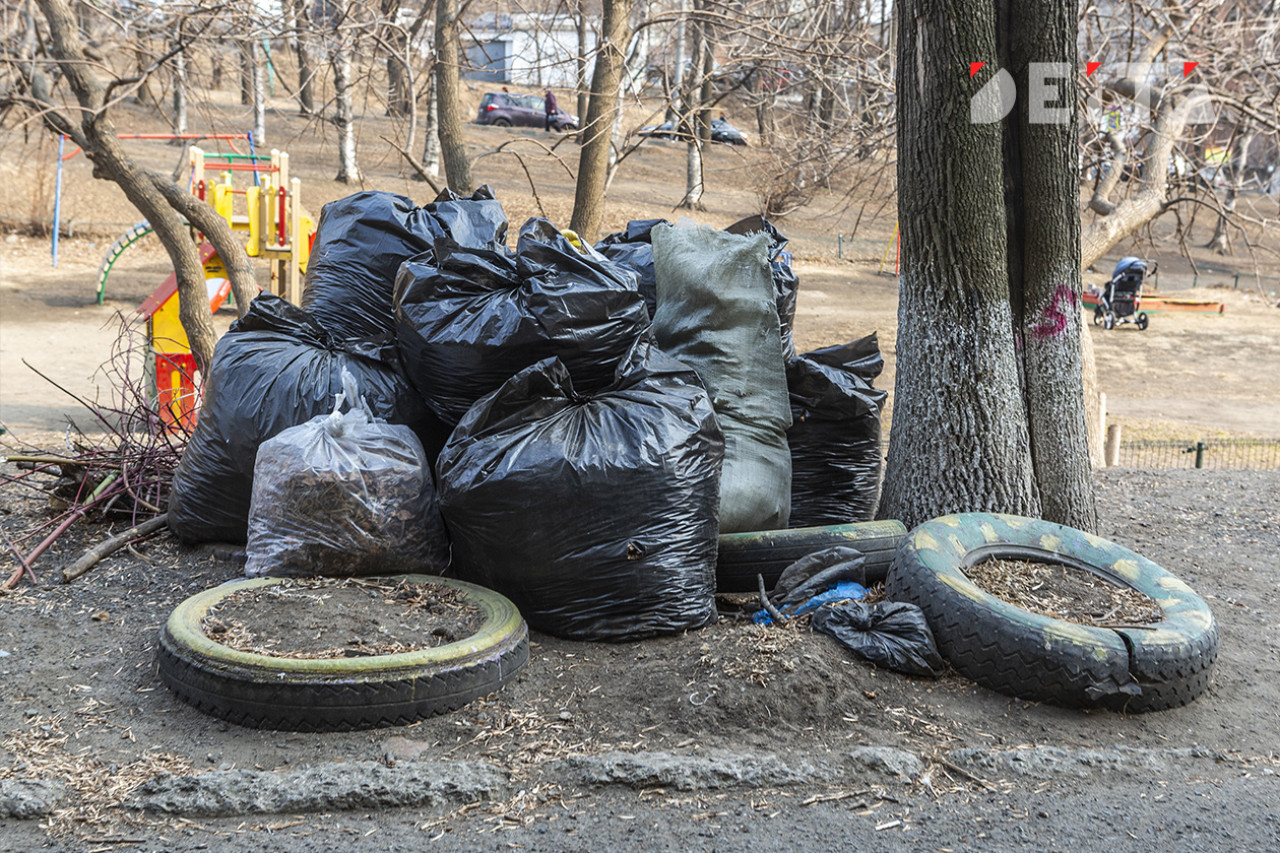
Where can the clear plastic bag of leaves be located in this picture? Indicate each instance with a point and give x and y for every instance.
(345, 494)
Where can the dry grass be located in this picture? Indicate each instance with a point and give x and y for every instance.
(44, 750)
(1064, 592)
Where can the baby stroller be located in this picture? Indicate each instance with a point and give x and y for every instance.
(1120, 300)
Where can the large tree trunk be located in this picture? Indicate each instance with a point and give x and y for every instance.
(453, 149)
(959, 440)
(344, 114)
(593, 162)
(1044, 262)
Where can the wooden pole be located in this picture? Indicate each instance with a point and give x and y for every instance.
(1113, 445)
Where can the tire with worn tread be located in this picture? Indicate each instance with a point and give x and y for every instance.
(743, 556)
(1023, 654)
(291, 694)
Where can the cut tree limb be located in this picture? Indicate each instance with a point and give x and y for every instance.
(106, 548)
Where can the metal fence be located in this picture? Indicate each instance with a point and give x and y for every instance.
(1237, 453)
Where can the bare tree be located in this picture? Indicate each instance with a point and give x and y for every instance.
(988, 401)
(453, 150)
(167, 206)
(593, 162)
(300, 15)
(1160, 110)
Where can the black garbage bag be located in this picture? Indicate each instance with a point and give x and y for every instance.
(276, 368)
(891, 634)
(470, 319)
(633, 249)
(786, 285)
(595, 514)
(363, 239)
(835, 433)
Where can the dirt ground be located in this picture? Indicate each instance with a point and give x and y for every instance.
(81, 695)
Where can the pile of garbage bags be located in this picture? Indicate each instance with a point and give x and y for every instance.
(571, 426)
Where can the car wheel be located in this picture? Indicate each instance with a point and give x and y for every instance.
(742, 556)
(1024, 654)
(261, 691)
(502, 122)
(1143, 320)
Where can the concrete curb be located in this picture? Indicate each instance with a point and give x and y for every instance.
(370, 785)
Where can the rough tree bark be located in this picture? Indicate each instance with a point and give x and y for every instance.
(1044, 260)
(593, 161)
(959, 440)
(162, 202)
(453, 149)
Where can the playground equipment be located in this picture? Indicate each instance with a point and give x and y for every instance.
(278, 229)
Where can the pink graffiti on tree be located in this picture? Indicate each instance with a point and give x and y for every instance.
(1053, 319)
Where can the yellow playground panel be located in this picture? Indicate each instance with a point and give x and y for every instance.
(278, 229)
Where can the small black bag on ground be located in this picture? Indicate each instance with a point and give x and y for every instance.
(786, 285)
(595, 514)
(276, 368)
(633, 249)
(891, 634)
(717, 314)
(835, 433)
(470, 319)
(344, 494)
(363, 239)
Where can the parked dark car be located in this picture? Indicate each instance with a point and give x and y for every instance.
(721, 131)
(514, 109)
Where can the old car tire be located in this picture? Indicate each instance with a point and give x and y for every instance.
(348, 693)
(1020, 653)
(502, 122)
(743, 556)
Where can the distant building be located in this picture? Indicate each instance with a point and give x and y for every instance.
(524, 50)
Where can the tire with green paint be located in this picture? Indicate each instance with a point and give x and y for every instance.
(1023, 654)
(743, 556)
(259, 691)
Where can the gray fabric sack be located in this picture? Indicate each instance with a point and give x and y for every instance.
(717, 314)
